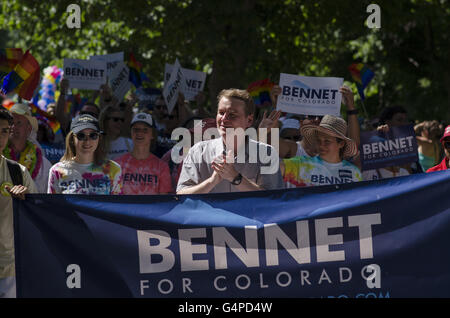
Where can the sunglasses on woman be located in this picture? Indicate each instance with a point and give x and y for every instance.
(83, 137)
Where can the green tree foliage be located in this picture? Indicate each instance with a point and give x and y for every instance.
(240, 41)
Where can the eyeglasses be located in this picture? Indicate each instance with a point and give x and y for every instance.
(83, 137)
(159, 106)
(116, 119)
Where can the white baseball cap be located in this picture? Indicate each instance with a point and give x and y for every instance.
(144, 118)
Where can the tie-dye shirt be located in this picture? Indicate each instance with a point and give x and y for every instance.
(313, 171)
(69, 177)
(146, 176)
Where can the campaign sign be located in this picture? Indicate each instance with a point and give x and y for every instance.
(85, 74)
(366, 240)
(306, 95)
(53, 152)
(397, 147)
(193, 84)
(111, 60)
(119, 80)
(173, 86)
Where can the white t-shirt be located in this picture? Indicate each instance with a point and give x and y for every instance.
(369, 175)
(119, 147)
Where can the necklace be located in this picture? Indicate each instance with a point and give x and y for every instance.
(30, 157)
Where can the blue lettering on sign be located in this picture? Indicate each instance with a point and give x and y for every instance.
(320, 179)
(309, 92)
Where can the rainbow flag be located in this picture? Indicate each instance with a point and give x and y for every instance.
(24, 78)
(9, 59)
(260, 92)
(137, 75)
(362, 75)
(44, 116)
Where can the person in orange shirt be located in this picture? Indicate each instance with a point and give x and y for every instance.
(142, 171)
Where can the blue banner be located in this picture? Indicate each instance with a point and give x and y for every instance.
(396, 147)
(385, 238)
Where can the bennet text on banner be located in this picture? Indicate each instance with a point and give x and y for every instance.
(383, 238)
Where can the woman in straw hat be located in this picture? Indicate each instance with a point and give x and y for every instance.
(329, 166)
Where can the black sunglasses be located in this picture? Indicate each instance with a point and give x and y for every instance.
(83, 137)
(447, 144)
(116, 119)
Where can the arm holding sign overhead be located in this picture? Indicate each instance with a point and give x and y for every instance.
(128, 105)
(60, 111)
(353, 131)
(106, 97)
(352, 114)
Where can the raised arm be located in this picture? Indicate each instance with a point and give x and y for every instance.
(60, 111)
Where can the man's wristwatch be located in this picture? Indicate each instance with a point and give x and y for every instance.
(352, 112)
(237, 180)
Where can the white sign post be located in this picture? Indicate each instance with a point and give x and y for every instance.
(306, 95)
(173, 86)
(119, 80)
(85, 74)
(193, 84)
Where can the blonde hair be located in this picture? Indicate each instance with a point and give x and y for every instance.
(240, 94)
(70, 152)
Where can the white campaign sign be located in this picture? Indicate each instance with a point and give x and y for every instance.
(85, 74)
(119, 80)
(172, 86)
(308, 95)
(193, 84)
(110, 59)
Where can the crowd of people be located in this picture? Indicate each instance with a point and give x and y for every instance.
(115, 147)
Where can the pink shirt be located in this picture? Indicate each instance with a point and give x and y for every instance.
(145, 176)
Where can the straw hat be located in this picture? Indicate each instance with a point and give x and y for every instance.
(333, 126)
(23, 109)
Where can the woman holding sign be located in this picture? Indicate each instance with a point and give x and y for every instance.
(329, 167)
(83, 168)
